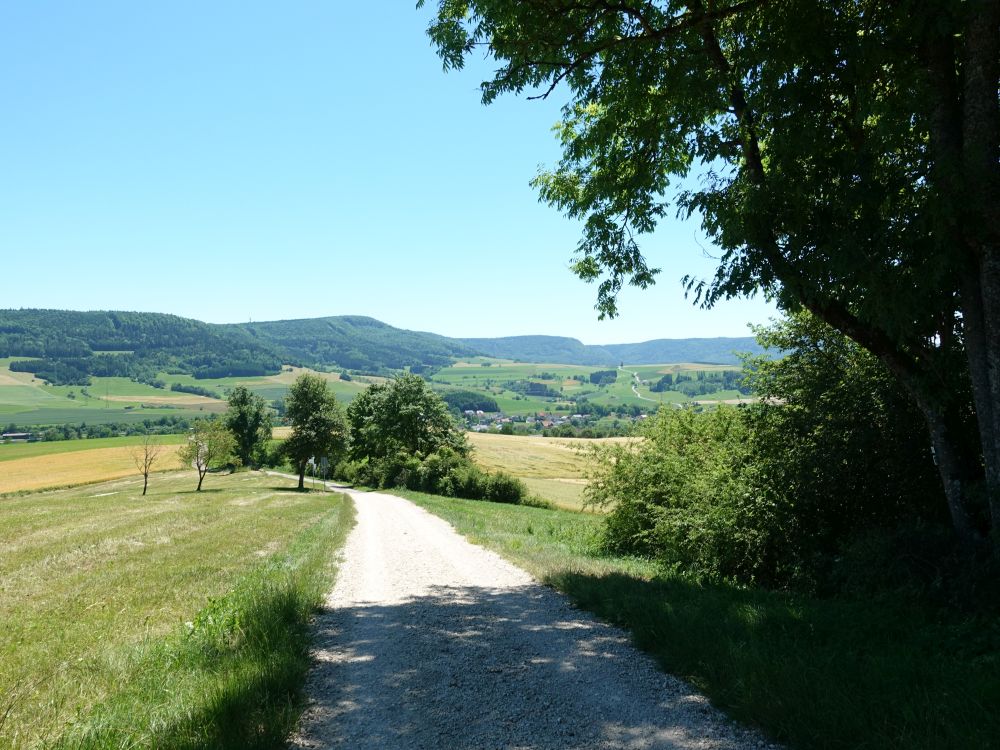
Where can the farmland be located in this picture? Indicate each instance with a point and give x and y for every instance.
(555, 469)
(64, 463)
(26, 400)
(499, 378)
(98, 581)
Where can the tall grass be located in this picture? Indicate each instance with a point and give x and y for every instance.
(832, 674)
(232, 677)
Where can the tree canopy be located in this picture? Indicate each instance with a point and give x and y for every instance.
(402, 415)
(249, 419)
(210, 446)
(843, 156)
(318, 426)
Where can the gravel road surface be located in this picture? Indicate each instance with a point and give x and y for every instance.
(429, 641)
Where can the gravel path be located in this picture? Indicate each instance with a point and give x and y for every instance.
(432, 642)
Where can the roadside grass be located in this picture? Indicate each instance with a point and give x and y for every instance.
(831, 674)
(96, 586)
(73, 466)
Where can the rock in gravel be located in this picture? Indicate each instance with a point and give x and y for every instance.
(431, 642)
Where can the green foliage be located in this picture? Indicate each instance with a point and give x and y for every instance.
(70, 346)
(822, 674)
(210, 446)
(249, 419)
(465, 400)
(319, 428)
(775, 492)
(604, 377)
(846, 160)
(401, 416)
(195, 390)
(355, 342)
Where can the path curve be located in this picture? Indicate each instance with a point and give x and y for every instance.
(429, 641)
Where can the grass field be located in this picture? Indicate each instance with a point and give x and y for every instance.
(97, 583)
(553, 468)
(72, 462)
(815, 674)
(25, 400)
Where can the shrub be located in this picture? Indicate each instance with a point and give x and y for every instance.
(504, 488)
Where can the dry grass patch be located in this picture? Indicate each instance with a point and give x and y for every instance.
(77, 467)
(555, 469)
(539, 457)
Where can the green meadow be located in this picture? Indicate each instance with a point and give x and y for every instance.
(178, 619)
(26, 401)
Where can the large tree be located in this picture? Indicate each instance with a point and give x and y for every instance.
(318, 426)
(848, 162)
(402, 415)
(249, 419)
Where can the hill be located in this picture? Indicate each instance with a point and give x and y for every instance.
(355, 342)
(66, 347)
(569, 351)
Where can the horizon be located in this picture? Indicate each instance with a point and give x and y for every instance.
(234, 164)
(372, 317)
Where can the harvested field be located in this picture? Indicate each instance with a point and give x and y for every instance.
(77, 467)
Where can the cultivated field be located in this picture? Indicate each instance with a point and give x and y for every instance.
(494, 379)
(67, 464)
(91, 579)
(26, 400)
(553, 468)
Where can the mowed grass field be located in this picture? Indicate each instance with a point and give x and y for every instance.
(555, 469)
(96, 584)
(61, 463)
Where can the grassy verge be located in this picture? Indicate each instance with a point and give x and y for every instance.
(829, 674)
(175, 620)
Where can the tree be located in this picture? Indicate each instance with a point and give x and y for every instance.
(210, 446)
(318, 425)
(403, 415)
(144, 455)
(249, 419)
(849, 161)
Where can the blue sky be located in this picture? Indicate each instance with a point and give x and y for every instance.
(229, 161)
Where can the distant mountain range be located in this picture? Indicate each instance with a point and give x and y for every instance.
(72, 345)
(567, 351)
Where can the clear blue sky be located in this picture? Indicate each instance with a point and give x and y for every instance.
(235, 160)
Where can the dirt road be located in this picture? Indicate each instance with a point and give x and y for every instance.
(432, 642)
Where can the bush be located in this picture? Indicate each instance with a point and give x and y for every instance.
(777, 492)
(503, 488)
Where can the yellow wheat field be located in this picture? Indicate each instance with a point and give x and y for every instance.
(77, 467)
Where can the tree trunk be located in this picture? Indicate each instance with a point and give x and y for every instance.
(302, 476)
(955, 470)
(145, 483)
(980, 223)
(201, 478)
(981, 322)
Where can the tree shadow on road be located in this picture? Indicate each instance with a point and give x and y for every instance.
(469, 667)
